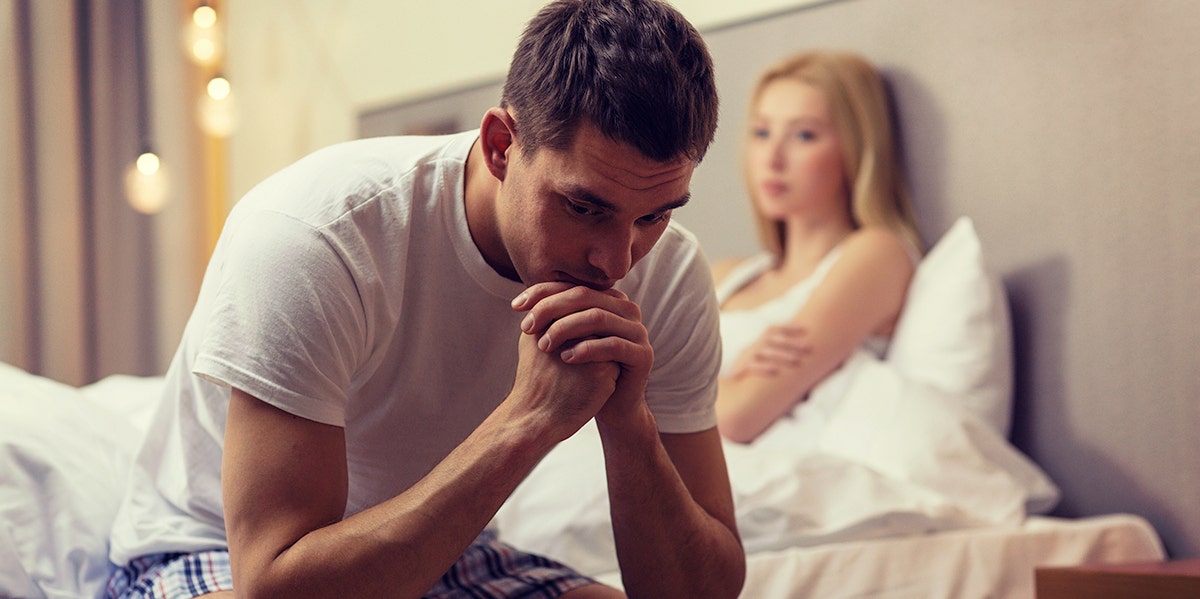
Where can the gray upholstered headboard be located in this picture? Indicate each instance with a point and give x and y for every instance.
(1070, 132)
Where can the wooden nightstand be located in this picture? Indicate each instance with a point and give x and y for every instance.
(1156, 580)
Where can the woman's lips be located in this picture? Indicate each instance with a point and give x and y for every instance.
(773, 188)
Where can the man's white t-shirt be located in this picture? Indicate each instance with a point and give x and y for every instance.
(346, 289)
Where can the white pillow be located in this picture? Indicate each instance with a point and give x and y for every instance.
(954, 332)
(64, 461)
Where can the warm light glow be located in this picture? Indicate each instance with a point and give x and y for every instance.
(146, 184)
(204, 16)
(218, 115)
(148, 163)
(204, 50)
(219, 88)
(202, 37)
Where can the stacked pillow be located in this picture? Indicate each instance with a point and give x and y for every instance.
(954, 334)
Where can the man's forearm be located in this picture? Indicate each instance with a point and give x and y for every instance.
(668, 543)
(402, 546)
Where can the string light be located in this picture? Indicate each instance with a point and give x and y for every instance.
(202, 36)
(147, 186)
(217, 111)
(205, 16)
(218, 88)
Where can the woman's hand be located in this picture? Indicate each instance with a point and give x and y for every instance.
(780, 347)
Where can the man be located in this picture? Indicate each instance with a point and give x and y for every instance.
(392, 333)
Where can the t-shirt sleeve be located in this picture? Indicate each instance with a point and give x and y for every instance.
(287, 325)
(683, 322)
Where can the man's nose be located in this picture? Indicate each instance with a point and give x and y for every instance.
(612, 255)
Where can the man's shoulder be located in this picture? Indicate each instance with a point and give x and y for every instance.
(678, 242)
(322, 186)
(398, 152)
(675, 265)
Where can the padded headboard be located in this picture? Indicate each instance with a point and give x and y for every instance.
(1070, 132)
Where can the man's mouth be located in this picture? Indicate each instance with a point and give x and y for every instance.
(601, 285)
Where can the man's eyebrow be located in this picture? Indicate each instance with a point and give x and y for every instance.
(680, 203)
(583, 194)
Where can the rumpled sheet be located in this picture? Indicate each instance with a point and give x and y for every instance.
(869, 455)
(64, 460)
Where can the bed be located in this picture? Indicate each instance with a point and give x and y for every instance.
(895, 479)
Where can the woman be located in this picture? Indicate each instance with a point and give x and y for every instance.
(838, 232)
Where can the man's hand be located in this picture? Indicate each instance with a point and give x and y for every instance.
(583, 327)
(662, 487)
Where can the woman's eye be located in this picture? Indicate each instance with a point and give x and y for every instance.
(759, 133)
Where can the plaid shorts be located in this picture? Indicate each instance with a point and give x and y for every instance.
(488, 569)
(171, 576)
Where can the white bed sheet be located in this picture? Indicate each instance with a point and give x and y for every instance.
(60, 552)
(870, 455)
(993, 562)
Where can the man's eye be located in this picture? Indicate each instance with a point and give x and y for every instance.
(582, 210)
(654, 219)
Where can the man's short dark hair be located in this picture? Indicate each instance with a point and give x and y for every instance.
(636, 69)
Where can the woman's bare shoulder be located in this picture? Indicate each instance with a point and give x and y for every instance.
(879, 243)
(878, 252)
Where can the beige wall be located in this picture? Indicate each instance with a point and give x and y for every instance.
(302, 71)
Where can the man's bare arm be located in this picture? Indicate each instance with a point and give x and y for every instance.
(284, 484)
(672, 508)
(672, 512)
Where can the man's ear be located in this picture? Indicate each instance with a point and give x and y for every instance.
(497, 135)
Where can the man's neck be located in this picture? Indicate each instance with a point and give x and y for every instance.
(479, 192)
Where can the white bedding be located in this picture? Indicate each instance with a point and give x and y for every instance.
(64, 460)
(876, 488)
(995, 562)
(869, 456)
(910, 444)
(63, 450)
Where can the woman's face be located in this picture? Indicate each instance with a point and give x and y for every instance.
(794, 157)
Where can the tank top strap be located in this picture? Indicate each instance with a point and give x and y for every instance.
(742, 274)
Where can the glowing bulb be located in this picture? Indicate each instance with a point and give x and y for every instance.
(217, 111)
(148, 163)
(204, 50)
(219, 88)
(146, 184)
(204, 16)
(202, 37)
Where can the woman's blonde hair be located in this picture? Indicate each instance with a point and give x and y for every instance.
(870, 156)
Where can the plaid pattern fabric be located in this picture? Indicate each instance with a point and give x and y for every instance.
(488, 569)
(172, 576)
